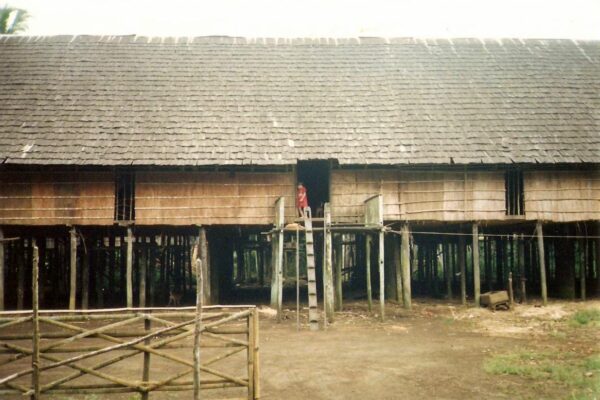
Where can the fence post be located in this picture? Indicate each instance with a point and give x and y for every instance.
(253, 371)
(146, 367)
(197, 328)
(35, 356)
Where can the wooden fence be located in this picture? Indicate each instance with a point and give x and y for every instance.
(129, 350)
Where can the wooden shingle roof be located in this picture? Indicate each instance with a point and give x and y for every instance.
(229, 101)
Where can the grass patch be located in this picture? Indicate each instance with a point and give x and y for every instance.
(581, 376)
(588, 317)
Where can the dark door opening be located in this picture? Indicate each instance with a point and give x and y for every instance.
(315, 177)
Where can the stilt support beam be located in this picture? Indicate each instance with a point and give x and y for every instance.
(462, 249)
(129, 270)
(368, 241)
(476, 272)
(328, 266)
(542, 261)
(73, 270)
(405, 268)
(1, 270)
(381, 260)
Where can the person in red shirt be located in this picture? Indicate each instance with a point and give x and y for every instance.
(301, 199)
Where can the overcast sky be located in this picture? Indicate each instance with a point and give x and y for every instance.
(575, 19)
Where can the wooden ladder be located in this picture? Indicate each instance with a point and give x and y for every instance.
(313, 312)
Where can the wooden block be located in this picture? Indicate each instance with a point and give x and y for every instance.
(491, 299)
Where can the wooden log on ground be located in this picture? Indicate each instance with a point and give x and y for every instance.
(542, 262)
(476, 272)
(406, 275)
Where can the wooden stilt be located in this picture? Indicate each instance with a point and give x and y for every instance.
(339, 262)
(203, 248)
(583, 267)
(521, 255)
(35, 306)
(73, 270)
(476, 272)
(446, 259)
(597, 260)
(297, 278)
(397, 264)
(381, 256)
(21, 275)
(511, 295)
(328, 266)
(85, 275)
(198, 327)
(143, 275)
(542, 262)
(462, 247)
(1, 270)
(368, 241)
(405, 261)
(129, 268)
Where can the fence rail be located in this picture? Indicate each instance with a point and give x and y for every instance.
(128, 351)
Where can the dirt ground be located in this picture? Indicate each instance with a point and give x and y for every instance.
(439, 350)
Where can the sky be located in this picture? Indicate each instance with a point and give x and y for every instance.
(573, 19)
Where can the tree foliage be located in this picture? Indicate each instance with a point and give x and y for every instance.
(12, 20)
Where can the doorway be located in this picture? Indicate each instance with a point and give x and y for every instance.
(314, 175)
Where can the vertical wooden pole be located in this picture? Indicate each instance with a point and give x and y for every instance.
(339, 262)
(35, 306)
(583, 264)
(542, 261)
(73, 270)
(205, 266)
(146, 364)
(521, 255)
(129, 270)
(368, 267)
(397, 262)
(85, 275)
(476, 272)
(250, 354)
(21, 275)
(405, 261)
(511, 295)
(446, 259)
(597, 259)
(143, 274)
(462, 247)
(381, 255)
(297, 277)
(274, 271)
(1, 270)
(328, 266)
(256, 360)
(198, 327)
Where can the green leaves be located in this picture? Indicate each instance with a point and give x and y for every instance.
(12, 20)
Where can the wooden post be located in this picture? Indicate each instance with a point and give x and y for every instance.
(462, 247)
(129, 271)
(35, 306)
(368, 268)
(476, 273)
(251, 353)
(583, 269)
(446, 259)
(381, 255)
(1, 270)
(511, 295)
(521, 255)
(21, 275)
(397, 262)
(405, 261)
(73, 270)
(143, 273)
(597, 258)
(85, 275)
(198, 326)
(297, 277)
(339, 262)
(146, 364)
(328, 265)
(205, 265)
(542, 261)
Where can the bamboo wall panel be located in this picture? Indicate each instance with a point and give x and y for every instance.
(212, 198)
(57, 198)
(562, 196)
(431, 196)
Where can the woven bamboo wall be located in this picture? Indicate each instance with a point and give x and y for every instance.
(562, 195)
(221, 198)
(428, 196)
(56, 198)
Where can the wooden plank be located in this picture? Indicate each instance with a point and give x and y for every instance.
(328, 266)
(542, 261)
